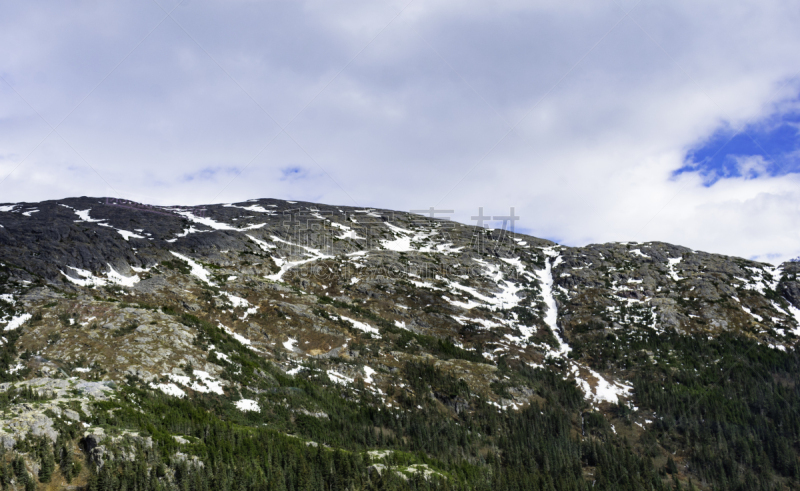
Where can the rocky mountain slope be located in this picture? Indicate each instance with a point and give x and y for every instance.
(290, 345)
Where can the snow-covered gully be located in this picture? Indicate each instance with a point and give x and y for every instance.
(603, 390)
(551, 316)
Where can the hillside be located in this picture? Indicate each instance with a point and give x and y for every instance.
(288, 345)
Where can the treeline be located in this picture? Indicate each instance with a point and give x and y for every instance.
(469, 444)
(8, 357)
(732, 406)
(727, 406)
(728, 416)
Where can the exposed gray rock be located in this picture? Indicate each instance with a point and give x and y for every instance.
(98, 455)
(7, 441)
(192, 460)
(152, 285)
(317, 414)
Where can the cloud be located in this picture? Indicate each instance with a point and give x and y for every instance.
(594, 125)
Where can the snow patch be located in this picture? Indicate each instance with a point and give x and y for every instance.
(222, 356)
(264, 245)
(796, 314)
(86, 278)
(236, 336)
(338, 378)
(208, 222)
(118, 279)
(361, 326)
(247, 405)
(127, 235)
(206, 383)
(170, 389)
(197, 269)
(401, 244)
(256, 208)
(84, 216)
(236, 301)
(17, 321)
(112, 276)
(755, 316)
(286, 265)
(368, 373)
(250, 311)
(551, 316)
(406, 240)
(671, 265)
(604, 391)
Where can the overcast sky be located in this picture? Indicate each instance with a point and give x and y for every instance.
(597, 121)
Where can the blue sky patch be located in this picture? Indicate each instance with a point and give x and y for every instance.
(292, 172)
(766, 148)
(209, 173)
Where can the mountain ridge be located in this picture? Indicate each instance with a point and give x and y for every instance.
(235, 304)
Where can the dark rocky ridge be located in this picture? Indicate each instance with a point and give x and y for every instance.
(591, 283)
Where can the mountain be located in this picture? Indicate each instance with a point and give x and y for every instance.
(289, 345)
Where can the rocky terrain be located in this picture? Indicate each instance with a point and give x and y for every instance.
(315, 323)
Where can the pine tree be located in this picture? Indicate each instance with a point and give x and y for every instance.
(671, 467)
(66, 463)
(48, 462)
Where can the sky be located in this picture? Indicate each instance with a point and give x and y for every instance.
(597, 121)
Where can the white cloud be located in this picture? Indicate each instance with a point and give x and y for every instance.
(429, 98)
